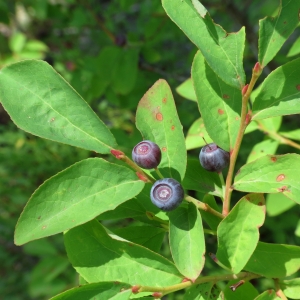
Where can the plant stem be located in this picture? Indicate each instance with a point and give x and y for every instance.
(238, 142)
(277, 137)
(209, 231)
(279, 291)
(158, 173)
(203, 206)
(134, 166)
(183, 285)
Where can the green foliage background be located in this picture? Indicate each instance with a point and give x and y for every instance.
(111, 52)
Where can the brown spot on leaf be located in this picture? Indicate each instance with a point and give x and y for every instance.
(273, 158)
(280, 177)
(225, 96)
(260, 203)
(39, 218)
(159, 116)
(236, 118)
(284, 22)
(44, 227)
(248, 198)
(283, 189)
(172, 127)
(164, 100)
(298, 87)
(164, 149)
(220, 111)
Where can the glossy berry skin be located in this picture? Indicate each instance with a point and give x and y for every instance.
(166, 194)
(213, 158)
(146, 154)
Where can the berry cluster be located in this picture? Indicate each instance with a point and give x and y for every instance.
(167, 193)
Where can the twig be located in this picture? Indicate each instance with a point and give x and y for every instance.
(203, 206)
(245, 119)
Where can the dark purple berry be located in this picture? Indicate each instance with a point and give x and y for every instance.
(146, 154)
(213, 158)
(166, 194)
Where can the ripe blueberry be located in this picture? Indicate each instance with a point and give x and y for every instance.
(213, 158)
(146, 154)
(166, 194)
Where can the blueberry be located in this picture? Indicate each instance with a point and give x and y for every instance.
(146, 154)
(213, 158)
(166, 194)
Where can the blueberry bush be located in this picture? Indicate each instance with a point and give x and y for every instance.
(166, 192)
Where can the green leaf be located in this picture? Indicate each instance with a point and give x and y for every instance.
(97, 257)
(17, 42)
(187, 242)
(295, 49)
(297, 230)
(276, 204)
(273, 32)
(271, 174)
(268, 295)
(223, 51)
(41, 102)
(245, 291)
(93, 291)
(291, 288)
(293, 134)
(238, 233)
(157, 120)
(205, 291)
(219, 104)
(201, 180)
(74, 196)
(212, 220)
(260, 149)
(271, 124)
(136, 234)
(125, 72)
(280, 93)
(135, 208)
(195, 135)
(274, 260)
(186, 90)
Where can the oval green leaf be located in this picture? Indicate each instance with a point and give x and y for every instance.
(186, 90)
(246, 291)
(271, 174)
(195, 135)
(157, 120)
(277, 204)
(219, 104)
(136, 234)
(187, 242)
(97, 257)
(274, 260)
(101, 290)
(201, 180)
(268, 295)
(223, 51)
(280, 93)
(204, 291)
(75, 196)
(238, 233)
(291, 288)
(273, 32)
(260, 149)
(41, 102)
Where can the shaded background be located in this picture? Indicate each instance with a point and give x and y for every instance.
(111, 52)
